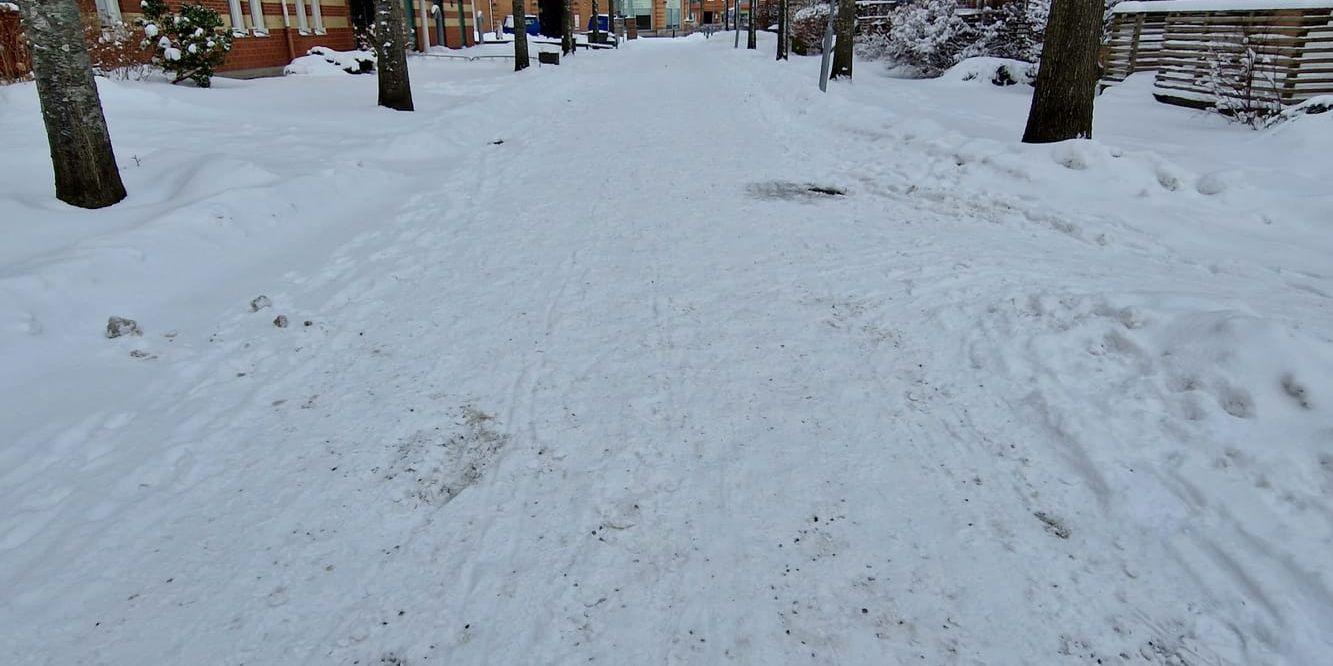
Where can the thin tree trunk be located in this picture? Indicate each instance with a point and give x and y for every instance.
(391, 55)
(1067, 78)
(596, 24)
(846, 30)
(84, 164)
(520, 36)
(567, 34)
(784, 28)
(751, 39)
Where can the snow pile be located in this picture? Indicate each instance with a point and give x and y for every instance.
(1315, 106)
(996, 71)
(323, 61)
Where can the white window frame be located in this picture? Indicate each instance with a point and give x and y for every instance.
(237, 18)
(109, 11)
(316, 19)
(257, 24)
(302, 26)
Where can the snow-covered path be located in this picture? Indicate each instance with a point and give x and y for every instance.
(620, 389)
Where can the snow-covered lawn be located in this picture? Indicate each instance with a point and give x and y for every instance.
(578, 368)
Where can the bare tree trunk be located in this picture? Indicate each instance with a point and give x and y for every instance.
(84, 164)
(784, 27)
(391, 55)
(1067, 79)
(520, 36)
(751, 39)
(846, 30)
(596, 24)
(567, 34)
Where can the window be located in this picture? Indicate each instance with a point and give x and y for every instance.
(237, 18)
(301, 25)
(257, 18)
(316, 21)
(108, 11)
(316, 18)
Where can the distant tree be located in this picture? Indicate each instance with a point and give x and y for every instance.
(567, 29)
(784, 27)
(1067, 79)
(391, 55)
(842, 50)
(84, 164)
(751, 38)
(520, 36)
(596, 24)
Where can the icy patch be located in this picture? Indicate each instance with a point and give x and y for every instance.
(791, 191)
(436, 466)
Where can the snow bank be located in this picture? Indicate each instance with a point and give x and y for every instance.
(997, 71)
(323, 61)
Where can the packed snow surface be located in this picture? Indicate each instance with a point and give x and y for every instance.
(660, 356)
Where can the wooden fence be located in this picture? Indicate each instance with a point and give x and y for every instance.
(1280, 52)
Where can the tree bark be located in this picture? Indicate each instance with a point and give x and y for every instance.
(567, 33)
(81, 155)
(751, 38)
(1067, 79)
(842, 50)
(520, 35)
(596, 24)
(784, 27)
(391, 55)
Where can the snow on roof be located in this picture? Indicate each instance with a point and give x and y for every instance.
(1139, 6)
(8, 6)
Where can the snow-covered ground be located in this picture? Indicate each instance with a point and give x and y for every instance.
(577, 368)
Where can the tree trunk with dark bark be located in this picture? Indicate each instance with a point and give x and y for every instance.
(596, 24)
(784, 27)
(85, 166)
(391, 55)
(751, 38)
(1067, 79)
(567, 33)
(846, 31)
(520, 35)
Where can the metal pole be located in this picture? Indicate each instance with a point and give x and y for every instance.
(828, 50)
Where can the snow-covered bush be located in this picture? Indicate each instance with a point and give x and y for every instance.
(1243, 84)
(929, 36)
(807, 29)
(189, 44)
(1014, 30)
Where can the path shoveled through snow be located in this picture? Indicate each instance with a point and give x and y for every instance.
(616, 389)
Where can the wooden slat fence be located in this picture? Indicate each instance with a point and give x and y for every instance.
(1283, 53)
